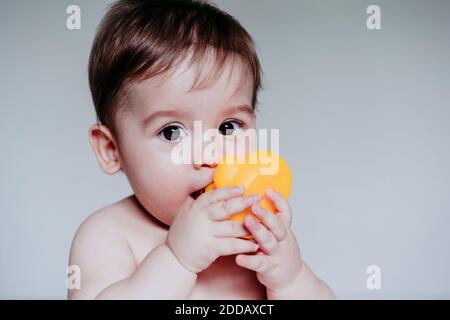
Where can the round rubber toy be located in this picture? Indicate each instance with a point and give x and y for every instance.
(257, 172)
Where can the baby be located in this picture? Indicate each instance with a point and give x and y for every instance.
(156, 67)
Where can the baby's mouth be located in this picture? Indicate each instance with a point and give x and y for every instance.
(197, 193)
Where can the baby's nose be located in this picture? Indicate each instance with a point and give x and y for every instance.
(207, 152)
(207, 161)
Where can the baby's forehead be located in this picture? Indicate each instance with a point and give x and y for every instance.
(200, 81)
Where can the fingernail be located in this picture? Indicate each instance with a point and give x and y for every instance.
(239, 189)
(249, 219)
(269, 190)
(256, 197)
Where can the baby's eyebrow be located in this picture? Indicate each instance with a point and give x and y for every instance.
(241, 108)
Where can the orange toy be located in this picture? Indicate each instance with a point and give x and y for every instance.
(257, 172)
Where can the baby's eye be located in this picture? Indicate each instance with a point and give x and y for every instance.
(172, 133)
(230, 127)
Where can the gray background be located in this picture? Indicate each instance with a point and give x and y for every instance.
(364, 118)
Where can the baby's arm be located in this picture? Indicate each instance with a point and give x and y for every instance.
(109, 271)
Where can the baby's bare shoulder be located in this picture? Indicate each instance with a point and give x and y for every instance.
(108, 244)
(104, 222)
(101, 253)
(122, 221)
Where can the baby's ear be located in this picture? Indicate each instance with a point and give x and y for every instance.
(105, 148)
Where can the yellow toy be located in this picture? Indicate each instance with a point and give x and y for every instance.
(259, 171)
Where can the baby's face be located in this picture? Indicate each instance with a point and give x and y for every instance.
(161, 116)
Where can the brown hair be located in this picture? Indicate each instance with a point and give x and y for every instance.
(139, 39)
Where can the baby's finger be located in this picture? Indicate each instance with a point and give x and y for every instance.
(229, 229)
(282, 206)
(272, 221)
(229, 246)
(224, 209)
(259, 263)
(266, 239)
(219, 194)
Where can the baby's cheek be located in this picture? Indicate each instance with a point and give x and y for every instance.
(161, 208)
(171, 202)
(163, 187)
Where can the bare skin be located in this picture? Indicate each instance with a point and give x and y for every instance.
(135, 235)
(164, 243)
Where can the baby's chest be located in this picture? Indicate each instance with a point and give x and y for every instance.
(222, 280)
(246, 289)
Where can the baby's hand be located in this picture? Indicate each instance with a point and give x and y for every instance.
(279, 262)
(201, 234)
